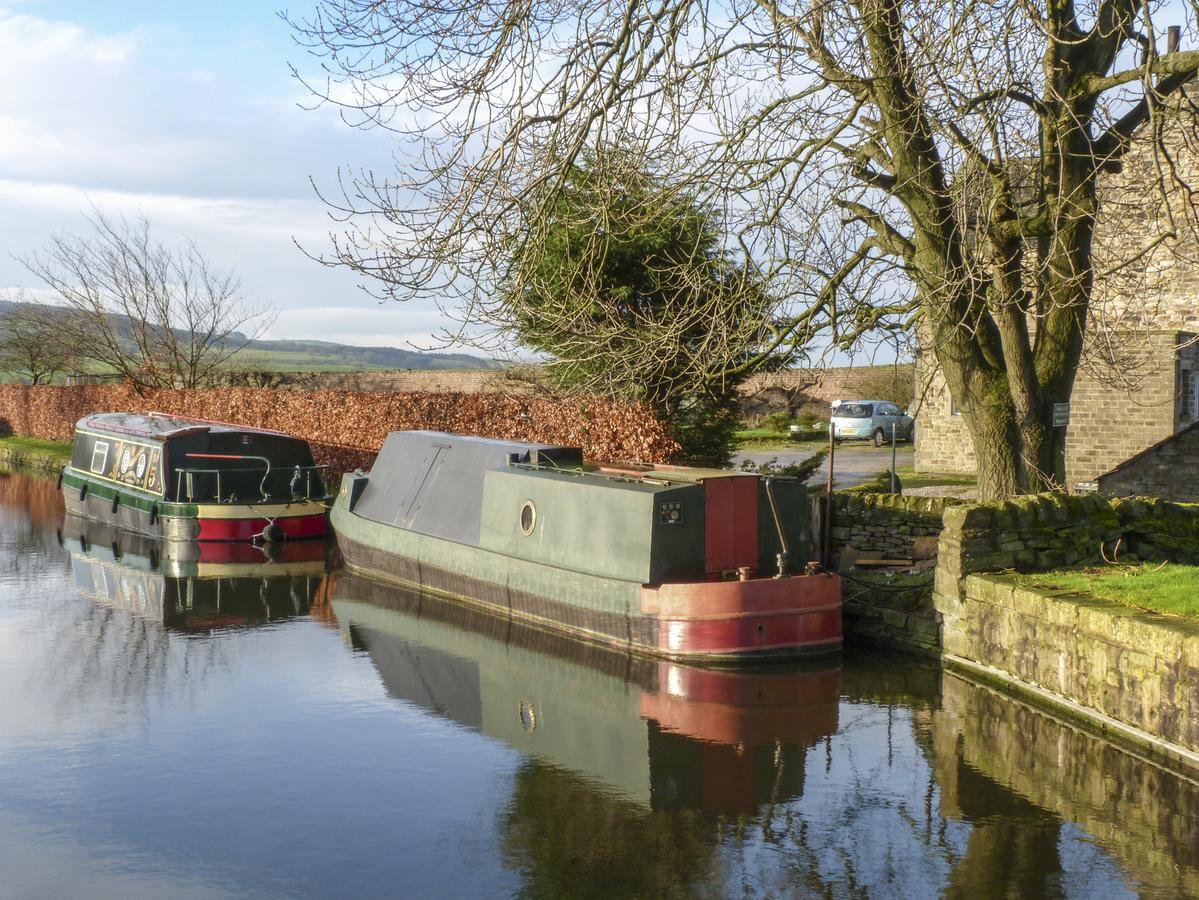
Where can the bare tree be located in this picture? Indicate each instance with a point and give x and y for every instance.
(883, 162)
(32, 341)
(158, 316)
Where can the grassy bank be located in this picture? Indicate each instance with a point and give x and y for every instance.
(769, 439)
(1166, 589)
(913, 479)
(33, 452)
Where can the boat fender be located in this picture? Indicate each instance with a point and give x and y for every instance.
(273, 532)
(153, 513)
(61, 472)
(83, 492)
(116, 502)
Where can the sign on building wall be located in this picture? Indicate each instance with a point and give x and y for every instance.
(1061, 415)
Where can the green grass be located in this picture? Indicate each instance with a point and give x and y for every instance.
(1171, 589)
(913, 479)
(27, 446)
(769, 439)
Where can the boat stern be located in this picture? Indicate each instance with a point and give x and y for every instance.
(792, 616)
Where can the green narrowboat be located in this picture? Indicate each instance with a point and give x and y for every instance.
(184, 479)
(669, 561)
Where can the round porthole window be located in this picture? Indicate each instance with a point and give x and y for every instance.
(528, 517)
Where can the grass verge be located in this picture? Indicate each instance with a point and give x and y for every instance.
(767, 439)
(1169, 589)
(913, 479)
(24, 450)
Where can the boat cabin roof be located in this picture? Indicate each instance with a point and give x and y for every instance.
(160, 426)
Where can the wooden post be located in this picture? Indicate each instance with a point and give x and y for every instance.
(828, 499)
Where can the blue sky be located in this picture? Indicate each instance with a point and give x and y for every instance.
(187, 113)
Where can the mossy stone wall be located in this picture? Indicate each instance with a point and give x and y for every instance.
(886, 522)
(1138, 668)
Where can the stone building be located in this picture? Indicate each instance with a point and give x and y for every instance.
(1139, 380)
(1167, 469)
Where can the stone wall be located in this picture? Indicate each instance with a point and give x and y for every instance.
(888, 608)
(1156, 472)
(1137, 668)
(889, 524)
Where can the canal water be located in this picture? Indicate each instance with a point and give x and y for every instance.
(244, 726)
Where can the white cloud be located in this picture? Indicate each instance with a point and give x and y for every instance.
(143, 121)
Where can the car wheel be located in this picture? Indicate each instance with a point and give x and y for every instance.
(879, 438)
(912, 434)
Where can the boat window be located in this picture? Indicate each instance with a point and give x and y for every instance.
(528, 517)
(100, 457)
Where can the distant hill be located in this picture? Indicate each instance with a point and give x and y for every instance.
(318, 356)
(326, 356)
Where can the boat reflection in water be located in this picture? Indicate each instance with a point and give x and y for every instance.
(190, 586)
(661, 734)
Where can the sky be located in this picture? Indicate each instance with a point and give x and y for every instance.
(186, 113)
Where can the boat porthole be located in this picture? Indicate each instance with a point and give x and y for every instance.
(528, 716)
(528, 517)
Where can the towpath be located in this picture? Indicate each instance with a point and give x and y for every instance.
(855, 463)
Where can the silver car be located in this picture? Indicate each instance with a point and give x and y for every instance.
(871, 420)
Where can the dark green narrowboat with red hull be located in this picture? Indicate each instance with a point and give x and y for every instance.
(188, 479)
(669, 561)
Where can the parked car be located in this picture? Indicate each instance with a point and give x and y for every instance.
(871, 420)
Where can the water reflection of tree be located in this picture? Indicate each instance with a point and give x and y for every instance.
(1013, 846)
(96, 658)
(573, 839)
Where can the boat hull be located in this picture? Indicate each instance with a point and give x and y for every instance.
(146, 514)
(757, 619)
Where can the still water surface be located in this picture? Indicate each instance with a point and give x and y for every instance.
(173, 728)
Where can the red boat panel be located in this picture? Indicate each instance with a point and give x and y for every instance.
(759, 616)
(730, 523)
(245, 529)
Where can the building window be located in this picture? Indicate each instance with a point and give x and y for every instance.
(954, 409)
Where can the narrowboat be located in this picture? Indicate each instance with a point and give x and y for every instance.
(185, 479)
(668, 561)
(659, 733)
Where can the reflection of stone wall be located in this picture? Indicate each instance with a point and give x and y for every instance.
(1147, 817)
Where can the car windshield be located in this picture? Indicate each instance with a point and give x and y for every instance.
(854, 411)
